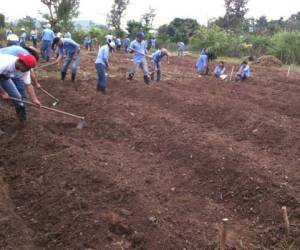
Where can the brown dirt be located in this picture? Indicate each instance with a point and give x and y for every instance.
(269, 61)
(157, 167)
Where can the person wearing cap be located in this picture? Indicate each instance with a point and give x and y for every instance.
(102, 64)
(72, 50)
(12, 39)
(47, 39)
(23, 38)
(157, 56)
(34, 37)
(15, 51)
(12, 66)
(139, 50)
(181, 48)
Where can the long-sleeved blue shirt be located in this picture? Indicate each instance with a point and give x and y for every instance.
(219, 70)
(14, 50)
(48, 35)
(158, 55)
(139, 49)
(23, 37)
(181, 46)
(245, 71)
(67, 35)
(69, 46)
(103, 55)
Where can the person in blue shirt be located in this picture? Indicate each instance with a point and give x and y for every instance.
(72, 50)
(118, 44)
(102, 64)
(244, 72)
(33, 37)
(67, 34)
(88, 43)
(153, 43)
(181, 48)
(23, 38)
(139, 50)
(47, 39)
(157, 56)
(202, 63)
(219, 70)
(126, 43)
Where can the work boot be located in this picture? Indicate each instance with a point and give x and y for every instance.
(63, 75)
(152, 76)
(73, 77)
(21, 113)
(158, 75)
(146, 79)
(130, 76)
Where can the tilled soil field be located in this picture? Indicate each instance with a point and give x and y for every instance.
(156, 167)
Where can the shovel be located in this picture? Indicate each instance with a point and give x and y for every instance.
(80, 125)
(50, 95)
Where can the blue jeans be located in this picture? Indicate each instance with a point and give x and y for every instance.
(34, 42)
(20, 85)
(12, 91)
(101, 76)
(142, 65)
(67, 62)
(46, 49)
(155, 64)
(11, 43)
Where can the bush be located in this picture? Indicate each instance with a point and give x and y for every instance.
(223, 43)
(286, 47)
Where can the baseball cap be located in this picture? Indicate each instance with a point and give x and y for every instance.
(28, 60)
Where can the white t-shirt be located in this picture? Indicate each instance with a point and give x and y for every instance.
(13, 38)
(8, 68)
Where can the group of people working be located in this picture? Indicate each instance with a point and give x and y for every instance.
(17, 63)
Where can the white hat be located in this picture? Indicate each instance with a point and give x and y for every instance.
(48, 26)
(165, 51)
(58, 34)
(112, 44)
(23, 29)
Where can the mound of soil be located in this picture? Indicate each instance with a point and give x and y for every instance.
(269, 61)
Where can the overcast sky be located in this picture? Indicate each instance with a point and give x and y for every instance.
(166, 10)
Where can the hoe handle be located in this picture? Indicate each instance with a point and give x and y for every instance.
(47, 108)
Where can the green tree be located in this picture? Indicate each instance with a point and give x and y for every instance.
(134, 26)
(61, 12)
(27, 22)
(115, 17)
(179, 30)
(235, 14)
(148, 18)
(2, 21)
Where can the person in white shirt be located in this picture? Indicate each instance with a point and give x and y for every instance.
(12, 39)
(12, 66)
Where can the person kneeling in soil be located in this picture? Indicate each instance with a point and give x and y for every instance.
(202, 63)
(157, 56)
(138, 47)
(219, 71)
(102, 64)
(11, 67)
(72, 51)
(244, 72)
